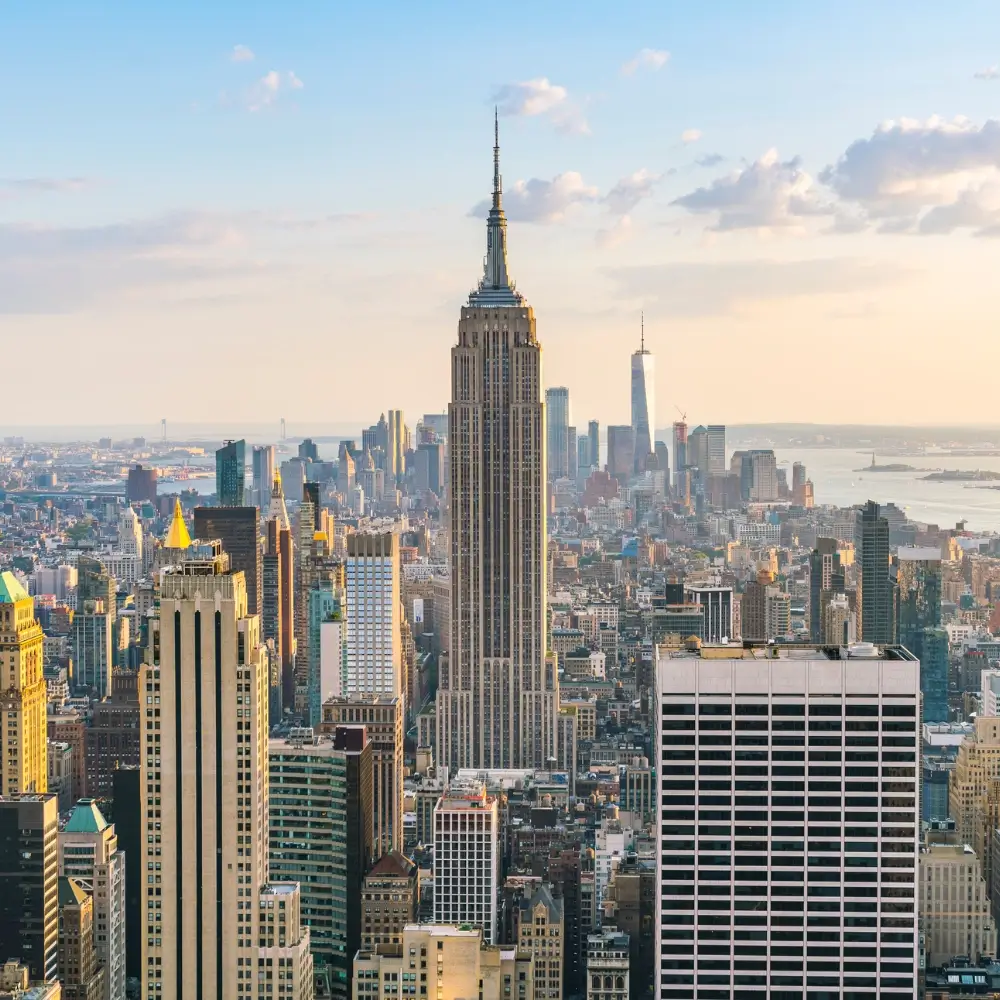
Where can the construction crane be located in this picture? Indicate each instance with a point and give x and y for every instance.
(684, 416)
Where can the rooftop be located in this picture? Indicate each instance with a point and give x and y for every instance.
(696, 650)
(11, 589)
(86, 818)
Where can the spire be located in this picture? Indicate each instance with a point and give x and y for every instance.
(495, 286)
(178, 536)
(642, 336)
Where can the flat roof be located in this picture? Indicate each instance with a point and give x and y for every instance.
(784, 651)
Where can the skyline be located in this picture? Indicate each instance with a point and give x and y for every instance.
(205, 222)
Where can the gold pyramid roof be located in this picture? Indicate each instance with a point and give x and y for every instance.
(178, 536)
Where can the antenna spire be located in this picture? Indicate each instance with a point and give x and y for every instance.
(642, 333)
(497, 183)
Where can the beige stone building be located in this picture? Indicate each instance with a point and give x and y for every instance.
(284, 962)
(540, 932)
(22, 692)
(203, 697)
(444, 961)
(498, 694)
(388, 901)
(977, 763)
(954, 904)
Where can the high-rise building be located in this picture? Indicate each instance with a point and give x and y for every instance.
(697, 450)
(395, 446)
(718, 604)
(91, 643)
(826, 578)
(141, 485)
(204, 777)
(382, 718)
(89, 854)
(262, 475)
(130, 827)
(540, 932)
(643, 404)
(680, 446)
(621, 452)
(238, 528)
(557, 420)
(918, 576)
(594, 438)
(327, 647)
(29, 883)
(22, 692)
(95, 583)
(373, 613)
(111, 741)
(230, 473)
(716, 450)
(571, 452)
(748, 889)
(467, 859)
(498, 693)
(582, 452)
(81, 976)
(876, 619)
(321, 837)
(308, 451)
(277, 599)
(285, 945)
(389, 901)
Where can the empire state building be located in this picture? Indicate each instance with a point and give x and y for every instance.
(498, 696)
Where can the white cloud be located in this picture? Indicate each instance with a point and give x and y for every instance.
(629, 191)
(270, 87)
(618, 232)
(651, 59)
(768, 194)
(13, 186)
(540, 97)
(990, 73)
(906, 169)
(241, 53)
(538, 200)
(690, 135)
(709, 160)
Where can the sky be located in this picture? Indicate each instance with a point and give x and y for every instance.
(243, 211)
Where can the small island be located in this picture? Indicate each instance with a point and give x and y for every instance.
(892, 467)
(962, 476)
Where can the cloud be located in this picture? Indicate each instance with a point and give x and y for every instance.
(618, 232)
(539, 97)
(538, 200)
(690, 135)
(272, 85)
(629, 191)
(651, 59)
(906, 169)
(990, 73)
(697, 289)
(13, 186)
(241, 53)
(709, 160)
(768, 194)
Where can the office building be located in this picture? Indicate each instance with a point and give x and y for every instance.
(498, 694)
(284, 961)
(608, 966)
(767, 901)
(540, 933)
(130, 828)
(458, 964)
(327, 648)
(373, 615)
(321, 837)
(826, 578)
(582, 453)
(277, 602)
(697, 451)
(976, 765)
(594, 440)
(140, 487)
(840, 623)
(954, 899)
(238, 528)
(718, 604)
(429, 464)
(111, 741)
(95, 583)
(643, 386)
(92, 656)
(22, 692)
(680, 446)
(389, 900)
(557, 421)
(467, 859)
(262, 476)
(621, 452)
(230, 473)
(571, 452)
(918, 577)
(81, 976)
(876, 589)
(204, 766)
(89, 854)
(383, 722)
(29, 883)
(716, 450)
(395, 446)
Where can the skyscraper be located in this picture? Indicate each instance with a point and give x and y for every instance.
(594, 437)
(557, 421)
(716, 450)
(680, 448)
(919, 579)
(22, 692)
(204, 763)
(498, 696)
(238, 528)
(875, 588)
(621, 452)
(697, 450)
(395, 447)
(230, 473)
(780, 888)
(263, 475)
(826, 578)
(643, 403)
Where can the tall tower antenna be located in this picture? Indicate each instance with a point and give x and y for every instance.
(642, 335)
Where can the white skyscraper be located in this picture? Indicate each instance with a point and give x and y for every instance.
(498, 694)
(373, 610)
(796, 766)
(263, 469)
(643, 403)
(558, 420)
(467, 859)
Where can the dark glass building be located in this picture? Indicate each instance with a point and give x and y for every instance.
(876, 587)
(230, 473)
(238, 528)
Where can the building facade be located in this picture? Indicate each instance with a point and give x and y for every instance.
(876, 619)
(643, 404)
(557, 422)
